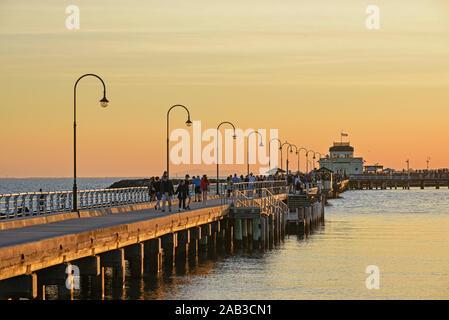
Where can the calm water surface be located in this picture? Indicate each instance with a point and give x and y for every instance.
(403, 232)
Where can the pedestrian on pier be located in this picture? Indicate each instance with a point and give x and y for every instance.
(157, 189)
(204, 188)
(151, 190)
(188, 183)
(167, 191)
(41, 201)
(197, 185)
(229, 186)
(182, 192)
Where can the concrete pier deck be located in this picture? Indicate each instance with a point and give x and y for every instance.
(42, 253)
(24, 250)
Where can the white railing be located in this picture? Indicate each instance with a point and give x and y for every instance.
(22, 205)
(263, 198)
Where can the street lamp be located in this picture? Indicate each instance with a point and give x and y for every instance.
(307, 160)
(188, 123)
(296, 148)
(318, 158)
(103, 103)
(280, 148)
(299, 151)
(233, 137)
(247, 147)
(288, 147)
(269, 151)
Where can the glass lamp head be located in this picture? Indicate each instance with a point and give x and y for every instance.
(104, 102)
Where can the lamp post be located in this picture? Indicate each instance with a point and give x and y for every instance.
(269, 152)
(307, 160)
(233, 137)
(103, 103)
(319, 157)
(299, 151)
(296, 148)
(288, 147)
(188, 123)
(314, 158)
(280, 148)
(247, 147)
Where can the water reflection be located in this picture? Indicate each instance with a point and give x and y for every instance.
(403, 232)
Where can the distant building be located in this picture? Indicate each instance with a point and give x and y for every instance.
(341, 159)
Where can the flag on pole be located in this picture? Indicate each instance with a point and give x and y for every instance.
(344, 134)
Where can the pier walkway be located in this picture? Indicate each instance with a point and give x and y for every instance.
(46, 252)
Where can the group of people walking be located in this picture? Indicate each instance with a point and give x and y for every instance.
(162, 190)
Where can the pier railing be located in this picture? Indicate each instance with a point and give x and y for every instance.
(262, 198)
(400, 177)
(22, 205)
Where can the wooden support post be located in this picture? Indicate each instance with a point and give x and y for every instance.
(212, 241)
(229, 235)
(98, 284)
(221, 235)
(263, 233)
(182, 250)
(88, 266)
(19, 287)
(153, 255)
(245, 233)
(275, 226)
(169, 244)
(135, 256)
(195, 236)
(256, 233)
(249, 224)
(271, 230)
(238, 235)
(116, 260)
(58, 275)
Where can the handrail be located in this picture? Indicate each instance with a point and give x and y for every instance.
(31, 204)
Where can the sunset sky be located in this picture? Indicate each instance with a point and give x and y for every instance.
(308, 68)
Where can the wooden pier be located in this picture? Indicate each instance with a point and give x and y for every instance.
(148, 240)
(306, 212)
(382, 182)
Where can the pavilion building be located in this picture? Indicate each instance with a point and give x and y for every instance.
(341, 159)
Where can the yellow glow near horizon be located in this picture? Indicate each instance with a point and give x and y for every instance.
(309, 68)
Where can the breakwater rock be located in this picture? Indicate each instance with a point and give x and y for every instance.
(128, 183)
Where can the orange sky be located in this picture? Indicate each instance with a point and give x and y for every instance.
(308, 68)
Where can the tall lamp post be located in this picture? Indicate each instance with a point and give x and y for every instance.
(314, 158)
(299, 151)
(288, 147)
(281, 149)
(233, 137)
(247, 147)
(188, 123)
(291, 150)
(104, 103)
(269, 151)
(307, 160)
